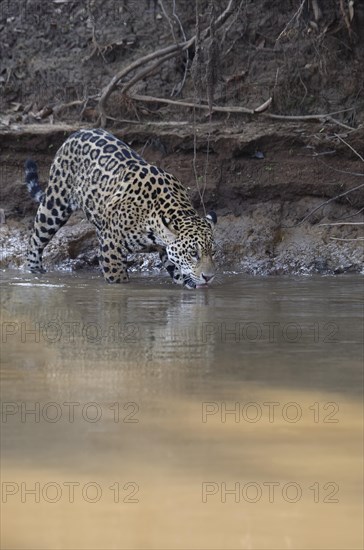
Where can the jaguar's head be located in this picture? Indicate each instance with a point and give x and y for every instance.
(191, 248)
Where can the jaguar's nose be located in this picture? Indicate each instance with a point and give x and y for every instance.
(207, 278)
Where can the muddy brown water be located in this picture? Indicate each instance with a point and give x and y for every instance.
(146, 416)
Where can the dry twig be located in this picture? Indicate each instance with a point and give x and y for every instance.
(360, 174)
(96, 46)
(350, 147)
(295, 17)
(323, 204)
(346, 18)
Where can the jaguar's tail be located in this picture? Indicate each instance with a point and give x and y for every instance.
(32, 181)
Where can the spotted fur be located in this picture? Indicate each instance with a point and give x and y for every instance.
(135, 207)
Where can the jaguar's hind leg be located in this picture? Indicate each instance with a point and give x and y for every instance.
(50, 217)
(113, 258)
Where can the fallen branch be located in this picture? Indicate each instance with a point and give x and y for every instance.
(63, 106)
(151, 99)
(153, 123)
(340, 223)
(238, 110)
(342, 239)
(320, 117)
(105, 93)
(56, 109)
(162, 53)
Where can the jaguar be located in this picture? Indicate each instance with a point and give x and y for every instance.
(134, 206)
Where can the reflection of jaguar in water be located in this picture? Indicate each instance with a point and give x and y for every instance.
(136, 207)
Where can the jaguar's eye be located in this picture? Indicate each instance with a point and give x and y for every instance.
(213, 252)
(194, 254)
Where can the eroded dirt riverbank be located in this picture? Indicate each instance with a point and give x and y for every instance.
(258, 200)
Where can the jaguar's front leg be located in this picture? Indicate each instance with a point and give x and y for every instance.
(167, 264)
(175, 274)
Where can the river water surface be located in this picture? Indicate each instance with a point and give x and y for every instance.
(146, 416)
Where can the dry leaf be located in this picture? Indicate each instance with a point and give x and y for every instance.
(264, 106)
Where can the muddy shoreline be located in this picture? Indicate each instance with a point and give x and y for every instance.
(258, 200)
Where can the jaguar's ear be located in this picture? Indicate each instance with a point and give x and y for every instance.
(211, 218)
(168, 233)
